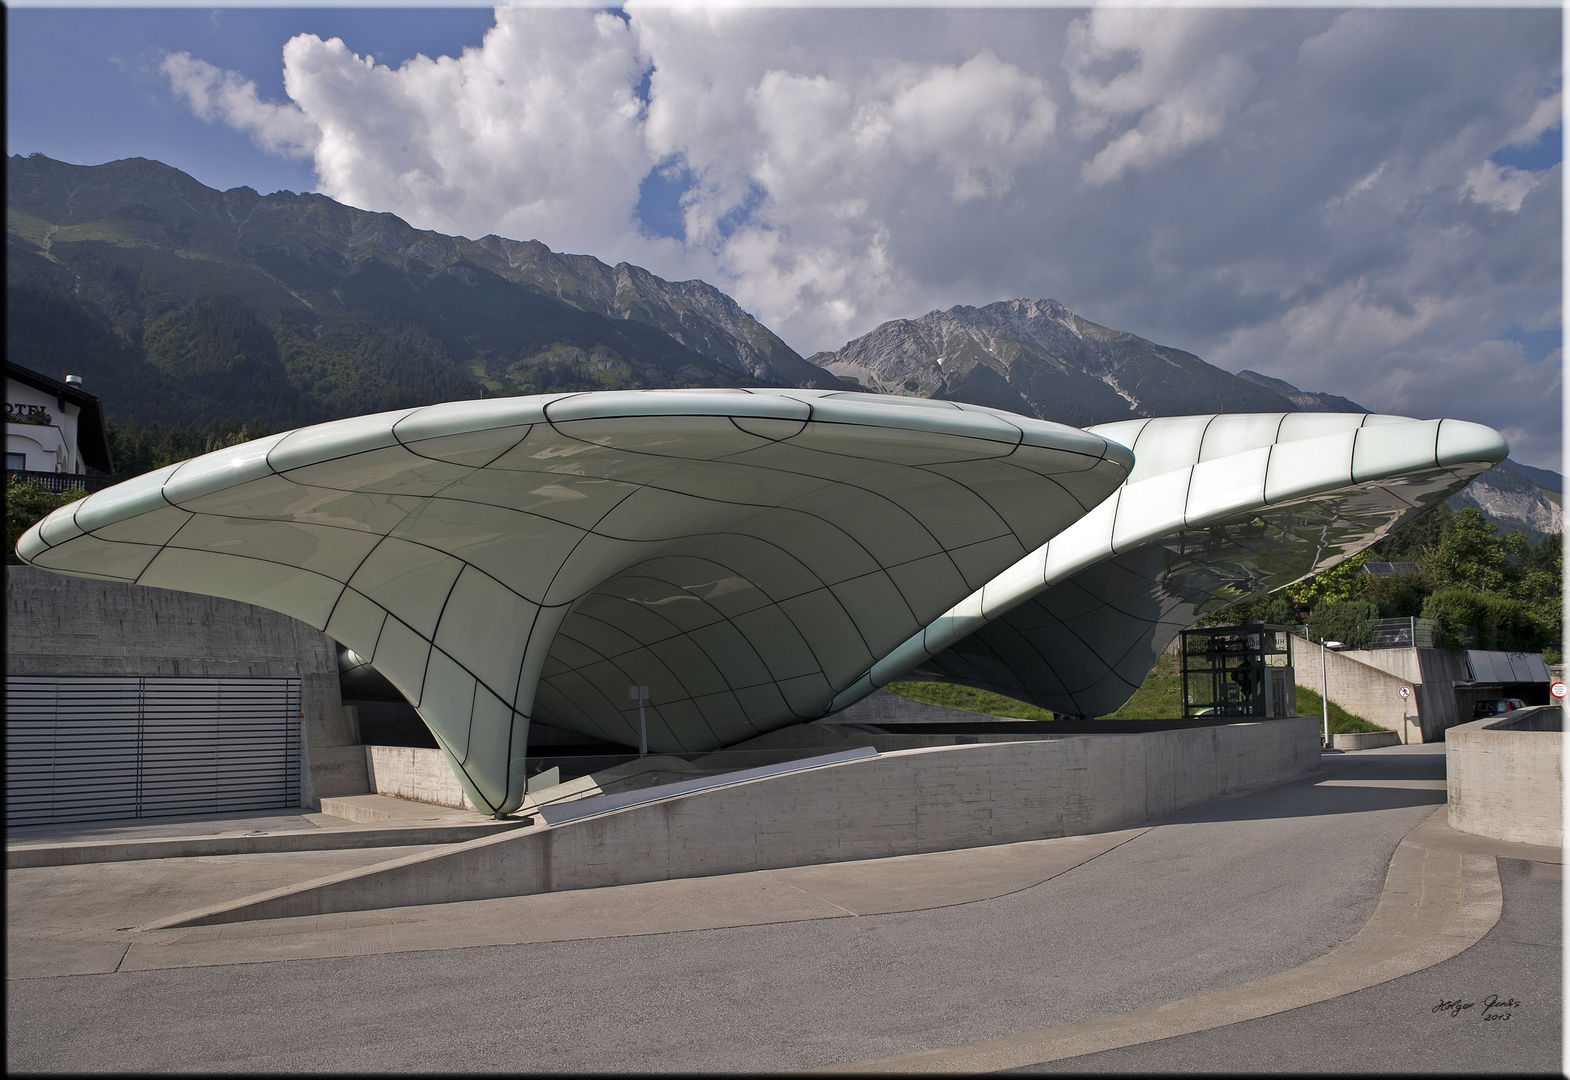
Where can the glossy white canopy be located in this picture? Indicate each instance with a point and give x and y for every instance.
(1217, 509)
(744, 554)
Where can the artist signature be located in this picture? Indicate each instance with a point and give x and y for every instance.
(1494, 1007)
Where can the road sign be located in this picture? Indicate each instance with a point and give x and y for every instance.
(1558, 689)
(1406, 692)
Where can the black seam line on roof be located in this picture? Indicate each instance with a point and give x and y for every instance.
(428, 498)
(990, 650)
(1072, 695)
(822, 690)
(474, 695)
(720, 619)
(561, 708)
(823, 667)
(764, 508)
(659, 717)
(357, 568)
(991, 647)
(654, 567)
(729, 684)
(717, 672)
(364, 590)
(1026, 546)
(641, 645)
(517, 682)
(1199, 453)
(513, 716)
(812, 418)
(425, 673)
(630, 681)
(622, 661)
(409, 445)
(396, 444)
(436, 628)
(584, 713)
(382, 634)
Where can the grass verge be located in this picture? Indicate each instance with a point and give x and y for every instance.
(1342, 722)
(967, 698)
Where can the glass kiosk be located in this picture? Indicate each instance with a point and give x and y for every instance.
(1240, 671)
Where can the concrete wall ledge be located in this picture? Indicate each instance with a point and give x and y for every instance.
(899, 803)
(17, 858)
(1364, 740)
(1507, 784)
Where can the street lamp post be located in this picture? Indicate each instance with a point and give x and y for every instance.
(1324, 682)
(640, 694)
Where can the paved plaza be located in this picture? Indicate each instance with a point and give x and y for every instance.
(1314, 926)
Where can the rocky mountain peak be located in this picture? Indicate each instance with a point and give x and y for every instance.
(1040, 358)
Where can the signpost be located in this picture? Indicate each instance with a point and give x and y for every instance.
(1324, 682)
(640, 694)
(1406, 692)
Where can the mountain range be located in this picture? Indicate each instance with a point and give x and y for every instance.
(180, 303)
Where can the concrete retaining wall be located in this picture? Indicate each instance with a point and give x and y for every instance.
(1374, 693)
(900, 803)
(1364, 740)
(1507, 784)
(60, 626)
(414, 772)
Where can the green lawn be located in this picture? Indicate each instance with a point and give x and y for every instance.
(1159, 697)
(1341, 722)
(967, 698)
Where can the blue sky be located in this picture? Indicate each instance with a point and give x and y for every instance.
(1364, 202)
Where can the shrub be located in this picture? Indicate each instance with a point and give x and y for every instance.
(1345, 621)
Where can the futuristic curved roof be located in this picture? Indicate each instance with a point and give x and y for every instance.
(1217, 509)
(744, 554)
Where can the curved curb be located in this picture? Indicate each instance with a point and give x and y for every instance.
(1436, 903)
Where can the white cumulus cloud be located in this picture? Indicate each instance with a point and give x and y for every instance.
(1160, 65)
(225, 96)
(1294, 191)
(1500, 186)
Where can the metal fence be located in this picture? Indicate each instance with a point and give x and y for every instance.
(59, 482)
(1405, 633)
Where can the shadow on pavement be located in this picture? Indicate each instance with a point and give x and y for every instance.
(1345, 784)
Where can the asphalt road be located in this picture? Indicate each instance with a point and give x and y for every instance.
(1236, 890)
(1496, 1008)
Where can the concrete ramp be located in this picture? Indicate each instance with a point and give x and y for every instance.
(902, 803)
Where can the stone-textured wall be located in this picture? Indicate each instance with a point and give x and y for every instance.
(69, 626)
(417, 773)
(901, 803)
(1374, 693)
(1506, 784)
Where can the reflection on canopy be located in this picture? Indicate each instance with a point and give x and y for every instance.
(1216, 510)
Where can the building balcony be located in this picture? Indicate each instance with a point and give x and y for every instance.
(60, 482)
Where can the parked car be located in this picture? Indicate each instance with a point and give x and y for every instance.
(1495, 706)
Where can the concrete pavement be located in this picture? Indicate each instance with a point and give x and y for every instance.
(812, 967)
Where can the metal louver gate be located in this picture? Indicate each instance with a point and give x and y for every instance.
(90, 749)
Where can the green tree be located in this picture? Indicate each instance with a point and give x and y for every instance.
(1345, 621)
(1344, 582)
(1472, 555)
